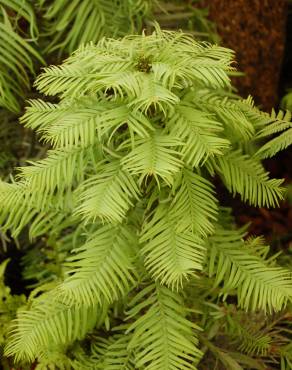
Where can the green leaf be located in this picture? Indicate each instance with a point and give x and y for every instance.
(246, 176)
(47, 323)
(108, 195)
(154, 156)
(163, 338)
(194, 205)
(102, 269)
(258, 286)
(199, 132)
(171, 255)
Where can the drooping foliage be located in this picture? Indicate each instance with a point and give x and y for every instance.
(140, 130)
(18, 55)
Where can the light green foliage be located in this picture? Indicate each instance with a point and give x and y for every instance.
(138, 130)
(162, 335)
(31, 31)
(281, 124)
(49, 323)
(236, 264)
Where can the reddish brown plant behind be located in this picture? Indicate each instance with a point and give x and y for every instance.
(255, 29)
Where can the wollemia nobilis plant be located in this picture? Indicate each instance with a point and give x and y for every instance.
(156, 270)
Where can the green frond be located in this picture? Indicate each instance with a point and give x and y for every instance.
(204, 64)
(163, 338)
(286, 102)
(108, 195)
(16, 57)
(146, 70)
(14, 210)
(278, 122)
(112, 353)
(257, 245)
(79, 122)
(46, 324)
(255, 343)
(171, 255)
(258, 118)
(154, 156)
(194, 205)
(19, 207)
(228, 110)
(40, 114)
(245, 175)
(102, 269)
(258, 286)
(153, 96)
(23, 9)
(275, 145)
(73, 23)
(249, 335)
(59, 171)
(199, 132)
(59, 79)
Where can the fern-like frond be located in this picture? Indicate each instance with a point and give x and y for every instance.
(20, 207)
(154, 156)
(146, 71)
(72, 80)
(112, 353)
(102, 269)
(59, 171)
(163, 338)
(79, 122)
(229, 110)
(46, 324)
(203, 69)
(254, 343)
(16, 58)
(258, 286)
(155, 96)
(73, 23)
(64, 125)
(248, 333)
(275, 145)
(199, 132)
(14, 210)
(171, 255)
(194, 205)
(286, 102)
(23, 9)
(280, 122)
(108, 195)
(246, 176)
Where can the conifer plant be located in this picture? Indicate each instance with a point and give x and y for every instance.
(139, 129)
